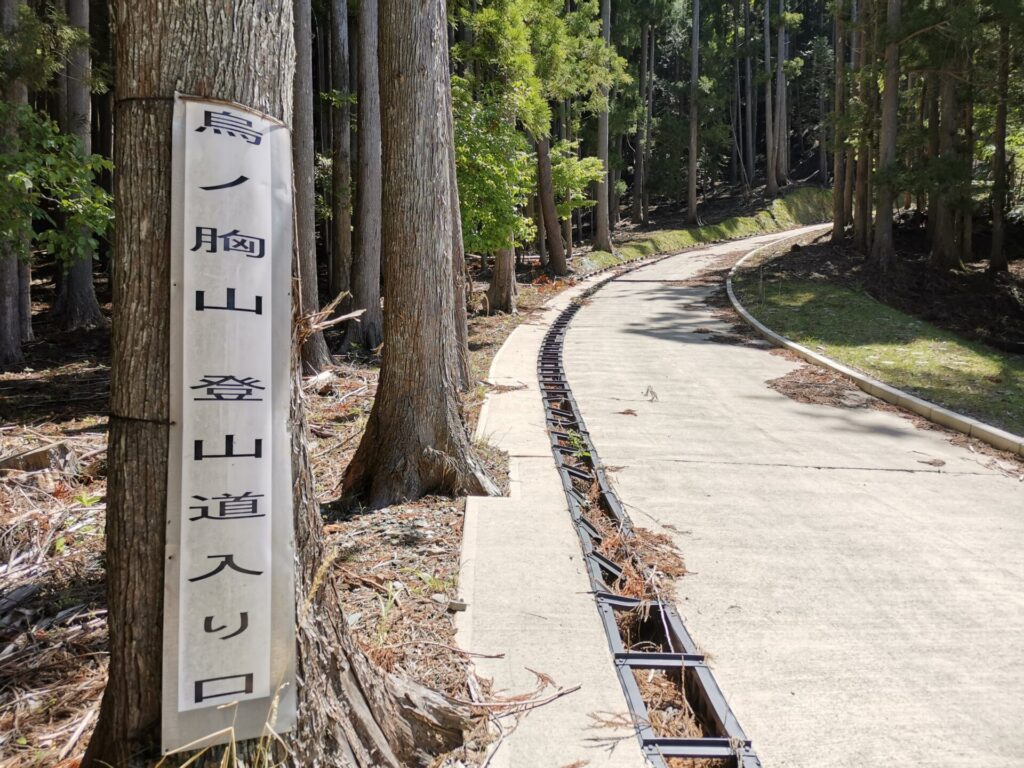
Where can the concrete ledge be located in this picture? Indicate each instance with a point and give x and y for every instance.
(1004, 441)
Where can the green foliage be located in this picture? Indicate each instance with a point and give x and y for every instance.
(39, 48)
(572, 176)
(45, 180)
(495, 169)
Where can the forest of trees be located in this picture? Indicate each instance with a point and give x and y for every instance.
(569, 116)
(539, 125)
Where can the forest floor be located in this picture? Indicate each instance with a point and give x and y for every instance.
(955, 338)
(396, 568)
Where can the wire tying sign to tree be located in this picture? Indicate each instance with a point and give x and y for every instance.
(229, 634)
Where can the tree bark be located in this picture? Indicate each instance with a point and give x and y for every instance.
(367, 331)
(641, 138)
(997, 256)
(945, 253)
(771, 155)
(341, 159)
(691, 182)
(78, 305)
(315, 354)
(416, 440)
(460, 276)
(11, 275)
(602, 230)
(861, 197)
(502, 292)
(883, 253)
(838, 111)
(647, 134)
(781, 128)
(546, 195)
(748, 76)
(348, 712)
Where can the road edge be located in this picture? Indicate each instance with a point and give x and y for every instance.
(998, 438)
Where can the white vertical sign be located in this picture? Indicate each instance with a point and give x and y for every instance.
(229, 614)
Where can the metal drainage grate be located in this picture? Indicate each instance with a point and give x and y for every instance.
(580, 469)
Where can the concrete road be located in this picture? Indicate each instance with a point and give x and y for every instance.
(858, 583)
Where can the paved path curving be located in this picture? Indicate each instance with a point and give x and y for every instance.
(858, 583)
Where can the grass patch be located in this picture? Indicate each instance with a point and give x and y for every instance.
(807, 205)
(849, 326)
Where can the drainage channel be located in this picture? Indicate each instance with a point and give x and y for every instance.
(594, 507)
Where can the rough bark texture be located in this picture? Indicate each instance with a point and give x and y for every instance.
(998, 262)
(602, 230)
(502, 292)
(647, 133)
(861, 196)
(315, 354)
(79, 308)
(460, 277)
(341, 158)
(691, 182)
(348, 713)
(771, 160)
(368, 331)
(748, 75)
(882, 251)
(781, 128)
(641, 137)
(838, 109)
(546, 193)
(945, 253)
(10, 277)
(416, 441)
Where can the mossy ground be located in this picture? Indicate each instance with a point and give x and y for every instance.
(802, 206)
(850, 326)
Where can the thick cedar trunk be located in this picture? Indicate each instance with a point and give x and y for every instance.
(781, 128)
(967, 210)
(641, 143)
(772, 184)
(838, 110)
(341, 157)
(25, 300)
(78, 305)
(348, 713)
(748, 74)
(647, 132)
(460, 277)
(11, 276)
(502, 292)
(691, 181)
(882, 251)
(602, 230)
(416, 440)
(945, 252)
(546, 195)
(315, 354)
(997, 257)
(862, 197)
(368, 331)
(932, 150)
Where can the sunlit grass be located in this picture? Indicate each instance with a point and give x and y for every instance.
(800, 207)
(896, 348)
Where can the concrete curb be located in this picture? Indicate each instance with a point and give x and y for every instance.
(998, 438)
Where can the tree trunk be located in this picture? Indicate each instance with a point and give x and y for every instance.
(691, 182)
(945, 253)
(348, 712)
(641, 143)
(883, 252)
(748, 75)
(781, 129)
(967, 210)
(997, 257)
(502, 292)
(647, 133)
(368, 331)
(862, 198)
(315, 354)
(771, 155)
(546, 195)
(838, 110)
(460, 276)
(602, 230)
(341, 158)
(416, 440)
